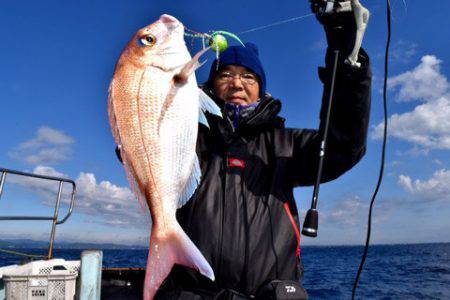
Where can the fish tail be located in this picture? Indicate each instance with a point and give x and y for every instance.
(173, 247)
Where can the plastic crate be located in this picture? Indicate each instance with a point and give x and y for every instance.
(42, 280)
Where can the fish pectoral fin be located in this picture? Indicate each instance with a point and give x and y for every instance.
(168, 101)
(174, 247)
(180, 79)
(207, 104)
(189, 68)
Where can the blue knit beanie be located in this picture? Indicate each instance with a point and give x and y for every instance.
(248, 57)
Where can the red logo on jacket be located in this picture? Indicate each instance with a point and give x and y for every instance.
(236, 163)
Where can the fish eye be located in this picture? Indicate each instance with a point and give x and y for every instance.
(147, 40)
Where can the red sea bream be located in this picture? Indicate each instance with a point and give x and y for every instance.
(154, 109)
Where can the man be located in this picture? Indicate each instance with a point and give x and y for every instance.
(243, 215)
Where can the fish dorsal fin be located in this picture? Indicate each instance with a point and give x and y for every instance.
(206, 104)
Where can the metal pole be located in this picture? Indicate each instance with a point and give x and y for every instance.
(2, 182)
(24, 218)
(311, 222)
(55, 220)
(72, 203)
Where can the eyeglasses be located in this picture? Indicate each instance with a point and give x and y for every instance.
(227, 77)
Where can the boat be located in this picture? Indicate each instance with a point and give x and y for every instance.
(46, 277)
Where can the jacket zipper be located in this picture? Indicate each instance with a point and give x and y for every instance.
(246, 230)
(222, 218)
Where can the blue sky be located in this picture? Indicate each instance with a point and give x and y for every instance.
(58, 58)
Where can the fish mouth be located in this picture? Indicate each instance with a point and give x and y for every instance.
(168, 18)
(170, 21)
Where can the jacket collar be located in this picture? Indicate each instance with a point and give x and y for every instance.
(266, 113)
(265, 116)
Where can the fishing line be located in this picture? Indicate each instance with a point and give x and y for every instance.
(214, 38)
(276, 23)
(195, 34)
(383, 151)
(406, 6)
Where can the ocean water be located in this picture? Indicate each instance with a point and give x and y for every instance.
(419, 271)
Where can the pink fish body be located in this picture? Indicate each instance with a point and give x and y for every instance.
(154, 113)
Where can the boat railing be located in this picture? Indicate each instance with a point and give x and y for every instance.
(54, 219)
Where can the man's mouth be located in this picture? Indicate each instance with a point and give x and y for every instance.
(236, 98)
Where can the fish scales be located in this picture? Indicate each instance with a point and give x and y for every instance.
(141, 109)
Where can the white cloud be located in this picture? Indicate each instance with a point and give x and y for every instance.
(111, 204)
(48, 146)
(406, 182)
(427, 126)
(116, 204)
(48, 155)
(45, 136)
(423, 82)
(47, 187)
(395, 163)
(437, 161)
(347, 211)
(353, 211)
(435, 188)
(403, 51)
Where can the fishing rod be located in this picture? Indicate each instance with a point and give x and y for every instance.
(361, 17)
(361, 14)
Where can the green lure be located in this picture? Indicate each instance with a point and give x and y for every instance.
(218, 41)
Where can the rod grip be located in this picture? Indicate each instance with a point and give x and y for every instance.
(311, 223)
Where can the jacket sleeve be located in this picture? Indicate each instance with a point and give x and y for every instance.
(347, 132)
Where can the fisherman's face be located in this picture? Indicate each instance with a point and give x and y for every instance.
(237, 85)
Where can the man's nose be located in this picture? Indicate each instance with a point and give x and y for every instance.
(236, 82)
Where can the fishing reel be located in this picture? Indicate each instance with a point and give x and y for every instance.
(324, 8)
(330, 6)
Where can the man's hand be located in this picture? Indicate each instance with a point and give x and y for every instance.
(340, 27)
(345, 23)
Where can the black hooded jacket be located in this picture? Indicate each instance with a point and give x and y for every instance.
(243, 216)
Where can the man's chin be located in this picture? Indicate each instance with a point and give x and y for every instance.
(238, 101)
